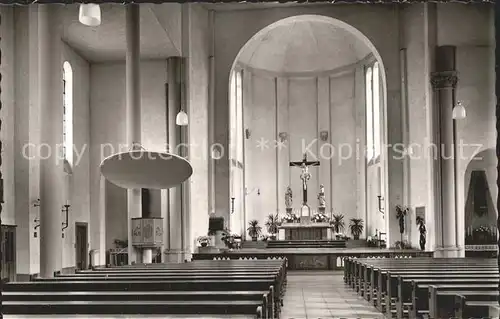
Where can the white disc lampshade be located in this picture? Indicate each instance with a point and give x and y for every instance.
(182, 118)
(90, 14)
(143, 169)
(459, 112)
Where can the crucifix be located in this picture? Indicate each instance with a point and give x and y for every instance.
(305, 176)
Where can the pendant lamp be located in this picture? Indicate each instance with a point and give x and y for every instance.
(90, 14)
(459, 112)
(181, 118)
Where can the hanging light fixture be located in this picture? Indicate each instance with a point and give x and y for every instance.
(182, 118)
(459, 112)
(90, 14)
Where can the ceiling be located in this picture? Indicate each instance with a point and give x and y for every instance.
(303, 46)
(107, 42)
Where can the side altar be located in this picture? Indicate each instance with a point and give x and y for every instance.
(307, 226)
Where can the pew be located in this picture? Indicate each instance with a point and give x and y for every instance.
(156, 290)
(475, 309)
(442, 298)
(400, 287)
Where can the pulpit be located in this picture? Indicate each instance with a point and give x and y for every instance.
(147, 233)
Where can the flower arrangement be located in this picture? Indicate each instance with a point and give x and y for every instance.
(319, 218)
(290, 218)
(482, 229)
(204, 241)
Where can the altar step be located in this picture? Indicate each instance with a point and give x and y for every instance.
(306, 244)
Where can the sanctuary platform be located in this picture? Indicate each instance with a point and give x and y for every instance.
(313, 258)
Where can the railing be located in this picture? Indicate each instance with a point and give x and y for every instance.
(315, 260)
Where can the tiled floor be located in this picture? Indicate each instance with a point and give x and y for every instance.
(321, 295)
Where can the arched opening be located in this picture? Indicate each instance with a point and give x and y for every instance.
(480, 211)
(294, 91)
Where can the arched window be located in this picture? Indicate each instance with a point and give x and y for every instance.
(67, 115)
(369, 114)
(376, 111)
(373, 118)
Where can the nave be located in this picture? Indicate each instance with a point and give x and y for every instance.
(324, 294)
(368, 288)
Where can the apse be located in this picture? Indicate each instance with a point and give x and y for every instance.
(298, 88)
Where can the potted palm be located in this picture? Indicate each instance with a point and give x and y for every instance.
(272, 224)
(254, 230)
(356, 227)
(421, 228)
(338, 224)
(401, 213)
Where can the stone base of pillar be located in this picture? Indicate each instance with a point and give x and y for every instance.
(174, 256)
(447, 252)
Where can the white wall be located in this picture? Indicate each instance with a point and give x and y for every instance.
(108, 125)
(21, 126)
(379, 23)
(198, 74)
(436, 24)
(301, 108)
(80, 188)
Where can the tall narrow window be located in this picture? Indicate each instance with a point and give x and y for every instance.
(376, 111)
(369, 114)
(236, 148)
(68, 113)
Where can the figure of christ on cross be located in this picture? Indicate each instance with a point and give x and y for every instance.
(305, 176)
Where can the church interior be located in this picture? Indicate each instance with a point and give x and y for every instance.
(248, 160)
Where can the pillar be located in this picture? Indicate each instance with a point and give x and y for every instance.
(50, 171)
(175, 209)
(133, 105)
(147, 252)
(444, 82)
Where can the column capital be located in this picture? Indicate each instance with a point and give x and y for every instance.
(444, 80)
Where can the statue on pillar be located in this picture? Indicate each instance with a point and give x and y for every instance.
(321, 198)
(288, 199)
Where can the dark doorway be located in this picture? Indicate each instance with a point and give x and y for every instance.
(81, 245)
(8, 256)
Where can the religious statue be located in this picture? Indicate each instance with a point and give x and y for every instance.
(305, 176)
(288, 198)
(321, 197)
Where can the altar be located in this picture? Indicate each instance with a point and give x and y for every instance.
(305, 231)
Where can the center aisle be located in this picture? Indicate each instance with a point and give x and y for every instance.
(321, 295)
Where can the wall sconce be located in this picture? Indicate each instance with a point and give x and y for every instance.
(283, 136)
(37, 220)
(380, 207)
(323, 135)
(247, 133)
(247, 192)
(65, 224)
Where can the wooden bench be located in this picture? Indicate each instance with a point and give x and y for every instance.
(391, 282)
(157, 290)
(442, 298)
(465, 308)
